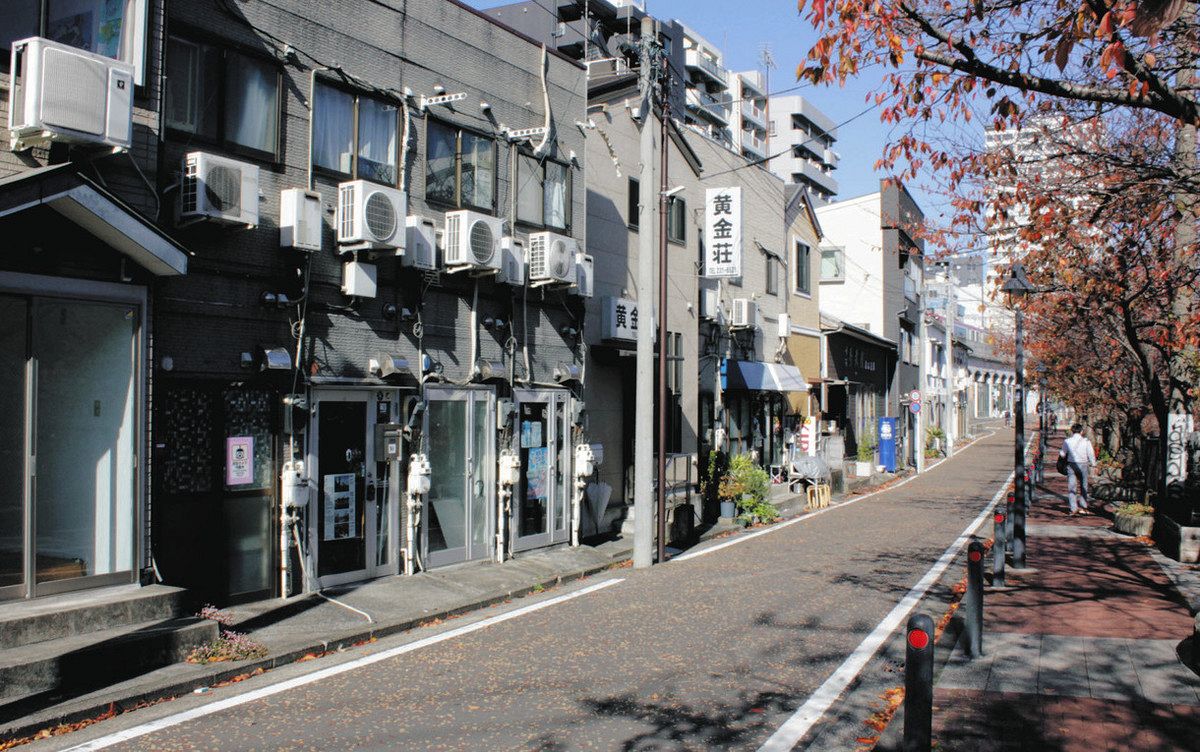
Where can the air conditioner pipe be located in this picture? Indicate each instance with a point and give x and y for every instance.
(540, 149)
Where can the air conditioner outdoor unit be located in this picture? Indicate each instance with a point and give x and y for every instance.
(512, 262)
(300, 219)
(218, 189)
(745, 314)
(473, 241)
(359, 280)
(370, 217)
(420, 246)
(584, 275)
(551, 258)
(62, 93)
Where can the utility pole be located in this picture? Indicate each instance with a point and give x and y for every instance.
(922, 369)
(951, 392)
(663, 334)
(643, 441)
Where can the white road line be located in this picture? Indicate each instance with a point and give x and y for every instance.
(811, 515)
(795, 727)
(274, 689)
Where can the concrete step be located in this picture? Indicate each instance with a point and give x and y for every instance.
(50, 669)
(56, 617)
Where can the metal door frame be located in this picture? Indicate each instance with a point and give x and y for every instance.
(31, 287)
(551, 536)
(473, 396)
(370, 396)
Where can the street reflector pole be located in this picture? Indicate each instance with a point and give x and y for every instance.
(1001, 520)
(973, 600)
(918, 685)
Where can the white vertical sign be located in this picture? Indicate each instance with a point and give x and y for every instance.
(723, 232)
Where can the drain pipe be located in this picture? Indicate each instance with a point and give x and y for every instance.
(320, 594)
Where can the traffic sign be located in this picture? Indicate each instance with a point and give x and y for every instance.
(915, 395)
(915, 407)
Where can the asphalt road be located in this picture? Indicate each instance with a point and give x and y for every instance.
(714, 652)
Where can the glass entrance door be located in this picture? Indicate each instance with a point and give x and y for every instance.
(541, 510)
(459, 514)
(352, 520)
(69, 407)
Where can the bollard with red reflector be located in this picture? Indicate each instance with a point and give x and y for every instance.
(973, 600)
(1001, 523)
(1010, 504)
(918, 685)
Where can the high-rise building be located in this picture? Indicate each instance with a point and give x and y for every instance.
(803, 137)
(709, 102)
(748, 119)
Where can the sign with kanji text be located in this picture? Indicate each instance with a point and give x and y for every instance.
(619, 319)
(723, 232)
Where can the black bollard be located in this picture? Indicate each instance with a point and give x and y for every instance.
(1010, 504)
(973, 600)
(998, 547)
(918, 685)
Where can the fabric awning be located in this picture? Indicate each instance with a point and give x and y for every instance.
(97, 210)
(756, 376)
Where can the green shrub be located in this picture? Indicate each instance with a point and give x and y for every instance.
(1135, 509)
(749, 486)
(866, 446)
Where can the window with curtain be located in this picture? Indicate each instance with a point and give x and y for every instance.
(772, 275)
(368, 153)
(222, 96)
(801, 256)
(113, 28)
(833, 264)
(460, 167)
(676, 220)
(543, 192)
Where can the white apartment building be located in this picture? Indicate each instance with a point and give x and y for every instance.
(748, 115)
(708, 98)
(808, 136)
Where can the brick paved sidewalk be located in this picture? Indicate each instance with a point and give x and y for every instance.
(1081, 652)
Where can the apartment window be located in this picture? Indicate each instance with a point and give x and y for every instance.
(113, 28)
(355, 135)
(460, 167)
(544, 192)
(801, 257)
(772, 275)
(676, 220)
(222, 96)
(833, 264)
(634, 202)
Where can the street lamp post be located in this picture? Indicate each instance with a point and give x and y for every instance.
(1017, 286)
(1043, 421)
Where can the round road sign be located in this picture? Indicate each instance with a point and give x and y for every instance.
(915, 407)
(915, 395)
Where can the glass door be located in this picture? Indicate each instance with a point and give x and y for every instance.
(459, 514)
(352, 521)
(540, 513)
(69, 407)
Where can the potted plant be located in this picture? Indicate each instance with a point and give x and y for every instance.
(749, 486)
(1134, 518)
(866, 453)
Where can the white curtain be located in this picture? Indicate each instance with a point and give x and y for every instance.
(556, 195)
(478, 171)
(333, 124)
(377, 126)
(529, 190)
(252, 103)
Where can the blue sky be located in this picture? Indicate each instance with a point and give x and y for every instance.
(741, 29)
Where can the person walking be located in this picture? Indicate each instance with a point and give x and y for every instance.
(1081, 458)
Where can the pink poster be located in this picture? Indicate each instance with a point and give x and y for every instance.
(239, 460)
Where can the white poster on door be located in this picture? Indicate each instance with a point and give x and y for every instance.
(239, 460)
(340, 520)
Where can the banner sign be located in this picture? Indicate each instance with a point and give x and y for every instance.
(723, 232)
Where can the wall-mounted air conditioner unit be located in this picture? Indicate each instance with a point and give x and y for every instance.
(218, 189)
(300, 223)
(370, 217)
(710, 305)
(420, 249)
(512, 262)
(551, 258)
(62, 93)
(472, 241)
(585, 273)
(745, 314)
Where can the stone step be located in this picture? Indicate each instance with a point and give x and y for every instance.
(56, 617)
(49, 670)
